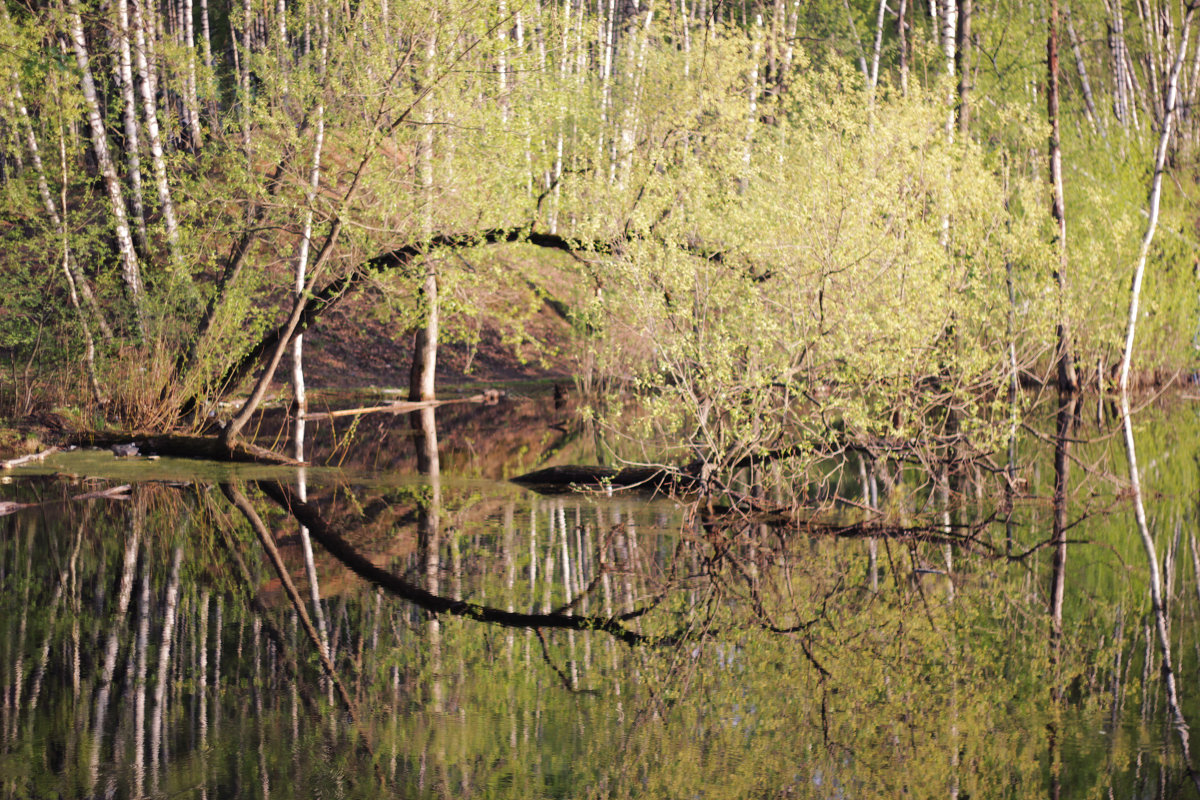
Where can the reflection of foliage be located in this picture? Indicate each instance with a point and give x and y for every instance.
(927, 688)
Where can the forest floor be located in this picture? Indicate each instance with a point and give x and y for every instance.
(354, 350)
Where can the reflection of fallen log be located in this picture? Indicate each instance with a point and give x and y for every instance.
(560, 480)
(121, 492)
(10, 507)
(337, 546)
(16, 462)
(490, 397)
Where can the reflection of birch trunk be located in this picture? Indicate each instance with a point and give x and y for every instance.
(218, 636)
(510, 578)
(570, 588)
(116, 624)
(12, 698)
(35, 690)
(1157, 603)
(202, 689)
(548, 585)
(1062, 476)
(310, 565)
(259, 726)
(429, 533)
(139, 700)
(164, 663)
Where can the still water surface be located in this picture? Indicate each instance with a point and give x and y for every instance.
(472, 639)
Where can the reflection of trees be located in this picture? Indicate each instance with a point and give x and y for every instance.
(337, 545)
(720, 696)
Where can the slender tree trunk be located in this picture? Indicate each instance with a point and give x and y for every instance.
(422, 377)
(1081, 67)
(1067, 380)
(962, 57)
(314, 182)
(130, 269)
(902, 41)
(139, 714)
(878, 47)
(858, 45)
(70, 268)
(191, 100)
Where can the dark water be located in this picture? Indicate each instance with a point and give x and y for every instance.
(603, 646)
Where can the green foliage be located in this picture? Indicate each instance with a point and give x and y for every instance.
(779, 256)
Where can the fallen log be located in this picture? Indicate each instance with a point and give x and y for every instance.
(16, 462)
(183, 445)
(561, 480)
(489, 397)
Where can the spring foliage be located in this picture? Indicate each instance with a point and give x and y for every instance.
(779, 252)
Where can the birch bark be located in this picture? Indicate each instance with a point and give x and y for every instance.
(130, 269)
(142, 34)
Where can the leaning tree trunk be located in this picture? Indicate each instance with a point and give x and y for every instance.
(1085, 83)
(130, 270)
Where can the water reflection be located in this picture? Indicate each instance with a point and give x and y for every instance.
(480, 641)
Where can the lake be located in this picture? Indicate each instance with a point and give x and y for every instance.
(169, 629)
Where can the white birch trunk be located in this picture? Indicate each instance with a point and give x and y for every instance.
(875, 51)
(130, 269)
(858, 45)
(314, 182)
(191, 100)
(142, 36)
(1081, 68)
(424, 365)
(133, 166)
